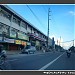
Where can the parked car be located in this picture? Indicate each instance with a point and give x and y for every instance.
(28, 50)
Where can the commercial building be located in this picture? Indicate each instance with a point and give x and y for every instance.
(16, 32)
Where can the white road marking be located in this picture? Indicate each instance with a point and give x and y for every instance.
(44, 67)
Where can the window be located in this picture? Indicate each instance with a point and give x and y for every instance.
(4, 28)
(5, 14)
(15, 20)
(24, 25)
(1, 28)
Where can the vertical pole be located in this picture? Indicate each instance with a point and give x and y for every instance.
(73, 43)
(48, 28)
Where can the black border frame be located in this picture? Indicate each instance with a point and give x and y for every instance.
(18, 72)
(37, 1)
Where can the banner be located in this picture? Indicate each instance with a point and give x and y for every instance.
(8, 40)
(24, 43)
(22, 36)
(18, 41)
(13, 34)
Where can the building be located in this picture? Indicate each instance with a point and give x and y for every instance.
(16, 32)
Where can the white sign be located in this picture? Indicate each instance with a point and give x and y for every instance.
(8, 40)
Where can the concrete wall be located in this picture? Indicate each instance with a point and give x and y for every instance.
(14, 25)
(23, 29)
(5, 20)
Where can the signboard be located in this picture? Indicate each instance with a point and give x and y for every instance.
(18, 41)
(37, 43)
(22, 36)
(12, 33)
(11, 40)
(24, 43)
(28, 43)
(8, 40)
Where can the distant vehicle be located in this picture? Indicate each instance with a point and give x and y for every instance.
(28, 50)
(68, 53)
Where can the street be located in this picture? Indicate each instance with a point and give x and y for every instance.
(42, 61)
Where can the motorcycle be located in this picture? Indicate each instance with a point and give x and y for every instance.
(3, 57)
(68, 54)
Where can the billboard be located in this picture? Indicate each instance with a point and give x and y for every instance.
(18, 41)
(24, 43)
(12, 33)
(22, 36)
(8, 40)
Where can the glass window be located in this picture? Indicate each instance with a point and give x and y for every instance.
(5, 14)
(1, 28)
(15, 20)
(24, 25)
(4, 28)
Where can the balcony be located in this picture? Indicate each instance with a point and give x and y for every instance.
(34, 35)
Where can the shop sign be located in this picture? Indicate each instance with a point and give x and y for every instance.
(18, 41)
(8, 40)
(24, 43)
(28, 43)
(13, 34)
(37, 43)
(11, 40)
(22, 36)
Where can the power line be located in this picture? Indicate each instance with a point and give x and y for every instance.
(67, 41)
(35, 16)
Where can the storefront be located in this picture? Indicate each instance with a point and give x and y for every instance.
(36, 41)
(12, 44)
(20, 44)
(9, 44)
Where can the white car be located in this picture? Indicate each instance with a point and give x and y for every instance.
(29, 49)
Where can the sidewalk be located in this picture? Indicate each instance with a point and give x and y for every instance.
(17, 53)
(13, 52)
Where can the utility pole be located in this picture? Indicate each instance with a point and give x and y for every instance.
(73, 42)
(48, 26)
(60, 41)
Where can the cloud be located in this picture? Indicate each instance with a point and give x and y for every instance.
(67, 45)
(72, 13)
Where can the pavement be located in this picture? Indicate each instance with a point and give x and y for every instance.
(12, 52)
(16, 53)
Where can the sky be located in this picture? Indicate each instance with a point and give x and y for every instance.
(62, 17)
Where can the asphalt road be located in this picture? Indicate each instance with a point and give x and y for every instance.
(45, 61)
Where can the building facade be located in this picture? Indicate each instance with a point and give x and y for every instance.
(16, 32)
